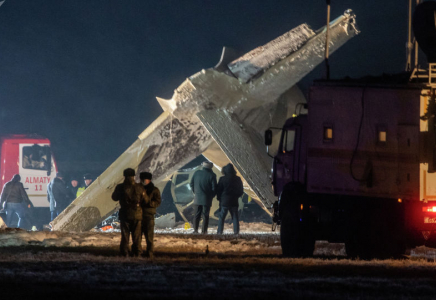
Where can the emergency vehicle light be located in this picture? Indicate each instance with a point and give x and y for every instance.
(429, 209)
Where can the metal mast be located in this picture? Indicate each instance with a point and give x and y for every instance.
(327, 41)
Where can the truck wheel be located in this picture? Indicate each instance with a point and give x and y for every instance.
(288, 238)
(296, 238)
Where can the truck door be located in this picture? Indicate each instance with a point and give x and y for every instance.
(286, 161)
(36, 167)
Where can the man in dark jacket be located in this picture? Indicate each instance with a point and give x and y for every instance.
(73, 187)
(58, 195)
(229, 190)
(203, 185)
(132, 197)
(14, 200)
(149, 210)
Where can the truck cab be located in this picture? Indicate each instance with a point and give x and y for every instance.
(289, 165)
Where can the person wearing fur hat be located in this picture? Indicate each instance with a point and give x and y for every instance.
(203, 185)
(87, 178)
(230, 189)
(149, 210)
(73, 187)
(131, 196)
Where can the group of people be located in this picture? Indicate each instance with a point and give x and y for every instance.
(15, 201)
(138, 203)
(60, 195)
(228, 191)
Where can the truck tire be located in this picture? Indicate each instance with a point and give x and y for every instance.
(288, 237)
(296, 234)
(295, 240)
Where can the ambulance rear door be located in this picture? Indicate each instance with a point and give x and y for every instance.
(37, 169)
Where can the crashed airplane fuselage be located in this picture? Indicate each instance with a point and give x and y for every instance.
(220, 113)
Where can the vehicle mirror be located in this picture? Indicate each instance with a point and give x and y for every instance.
(268, 137)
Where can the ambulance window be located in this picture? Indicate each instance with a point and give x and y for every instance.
(36, 157)
(288, 141)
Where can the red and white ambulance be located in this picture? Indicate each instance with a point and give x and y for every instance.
(31, 157)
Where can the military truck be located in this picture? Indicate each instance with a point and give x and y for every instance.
(360, 166)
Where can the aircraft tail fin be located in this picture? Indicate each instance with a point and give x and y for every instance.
(167, 105)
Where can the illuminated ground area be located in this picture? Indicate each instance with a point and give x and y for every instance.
(247, 267)
(99, 273)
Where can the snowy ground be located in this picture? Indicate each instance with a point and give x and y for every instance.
(248, 266)
(253, 228)
(253, 238)
(99, 273)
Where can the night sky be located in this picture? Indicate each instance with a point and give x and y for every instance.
(86, 73)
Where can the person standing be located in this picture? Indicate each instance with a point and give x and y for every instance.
(58, 195)
(88, 180)
(14, 200)
(131, 196)
(149, 210)
(73, 187)
(203, 185)
(229, 190)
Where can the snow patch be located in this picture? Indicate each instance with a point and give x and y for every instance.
(324, 248)
(424, 252)
(254, 237)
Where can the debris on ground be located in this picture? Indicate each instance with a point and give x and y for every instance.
(166, 221)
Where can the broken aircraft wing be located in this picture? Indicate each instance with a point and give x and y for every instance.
(178, 135)
(164, 147)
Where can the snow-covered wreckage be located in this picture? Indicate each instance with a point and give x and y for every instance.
(218, 112)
